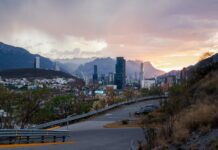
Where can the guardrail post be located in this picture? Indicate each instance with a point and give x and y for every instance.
(19, 139)
(54, 139)
(28, 139)
(63, 139)
(10, 140)
(42, 139)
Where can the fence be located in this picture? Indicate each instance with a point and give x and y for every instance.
(28, 135)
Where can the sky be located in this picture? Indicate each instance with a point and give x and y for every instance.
(171, 34)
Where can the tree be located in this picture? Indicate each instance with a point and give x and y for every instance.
(7, 103)
(29, 103)
(129, 93)
(155, 90)
(206, 55)
(111, 95)
(60, 107)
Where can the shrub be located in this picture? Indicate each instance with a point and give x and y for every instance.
(98, 104)
(152, 91)
(124, 122)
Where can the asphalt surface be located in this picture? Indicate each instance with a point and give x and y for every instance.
(91, 135)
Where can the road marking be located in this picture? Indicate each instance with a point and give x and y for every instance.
(53, 128)
(35, 144)
(108, 114)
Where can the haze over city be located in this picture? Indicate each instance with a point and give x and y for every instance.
(171, 34)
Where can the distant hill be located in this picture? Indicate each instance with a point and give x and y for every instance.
(133, 66)
(171, 73)
(70, 65)
(106, 65)
(15, 57)
(33, 73)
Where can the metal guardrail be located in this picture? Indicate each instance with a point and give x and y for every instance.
(92, 113)
(13, 135)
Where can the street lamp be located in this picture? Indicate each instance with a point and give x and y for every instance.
(68, 118)
(2, 115)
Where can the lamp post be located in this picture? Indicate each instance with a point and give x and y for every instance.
(2, 115)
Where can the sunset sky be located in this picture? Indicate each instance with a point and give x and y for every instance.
(170, 34)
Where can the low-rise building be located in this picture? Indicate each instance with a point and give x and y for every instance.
(148, 83)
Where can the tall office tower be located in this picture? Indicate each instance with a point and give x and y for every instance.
(95, 75)
(120, 75)
(141, 78)
(57, 68)
(136, 77)
(37, 62)
(103, 79)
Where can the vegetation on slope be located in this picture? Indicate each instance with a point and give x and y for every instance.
(192, 108)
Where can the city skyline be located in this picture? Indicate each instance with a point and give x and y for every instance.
(171, 34)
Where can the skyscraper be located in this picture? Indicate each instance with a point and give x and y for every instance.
(141, 78)
(56, 67)
(95, 75)
(37, 62)
(120, 75)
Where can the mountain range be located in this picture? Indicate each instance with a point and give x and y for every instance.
(106, 65)
(70, 65)
(12, 57)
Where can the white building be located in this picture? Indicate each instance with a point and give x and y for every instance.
(114, 87)
(111, 77)
(148, 83)
(37, 62)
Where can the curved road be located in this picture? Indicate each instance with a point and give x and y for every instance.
(91, 135)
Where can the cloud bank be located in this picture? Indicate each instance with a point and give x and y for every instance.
(169, 33)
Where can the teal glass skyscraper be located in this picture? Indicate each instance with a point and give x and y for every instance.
(95, 74)
(120, 75)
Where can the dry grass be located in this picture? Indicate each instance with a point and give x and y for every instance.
(200, 117)
(155, 119)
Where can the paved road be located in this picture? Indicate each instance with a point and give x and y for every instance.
(91, 135)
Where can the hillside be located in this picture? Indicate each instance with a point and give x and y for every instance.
(34, 73)
(189, 119)
(106, 65)
(15, 57)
